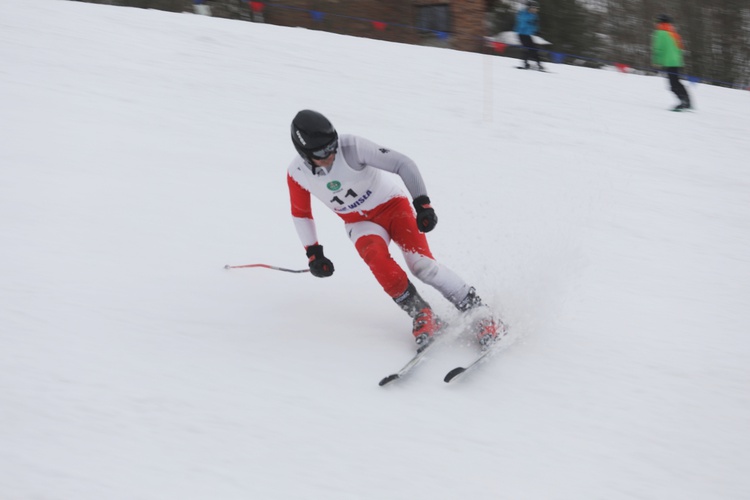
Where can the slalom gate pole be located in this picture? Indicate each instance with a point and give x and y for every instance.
(266, 266)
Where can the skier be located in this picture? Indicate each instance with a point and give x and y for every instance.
(527, 25)
(349, 174)
(666, 51)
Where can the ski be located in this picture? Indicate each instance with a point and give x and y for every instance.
(420, 355)
(483, 356)
(541, 70)
(462, 369)
(414, 361)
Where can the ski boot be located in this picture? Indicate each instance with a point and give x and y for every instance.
(425, 326)
(487, 328)
(425, 323)
(684, 104)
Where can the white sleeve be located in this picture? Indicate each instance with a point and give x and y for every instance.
(306, 231)
(360, 152)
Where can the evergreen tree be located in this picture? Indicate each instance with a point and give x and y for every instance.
(570, 27)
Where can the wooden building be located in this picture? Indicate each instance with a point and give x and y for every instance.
(456, 24)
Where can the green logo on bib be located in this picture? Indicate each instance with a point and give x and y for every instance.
(334, 185)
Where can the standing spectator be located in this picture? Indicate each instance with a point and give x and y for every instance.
(527, 25)
(666, 52)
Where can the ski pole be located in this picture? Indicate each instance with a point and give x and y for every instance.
(269, 267)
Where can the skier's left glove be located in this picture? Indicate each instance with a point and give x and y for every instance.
(426, 218)
(320, 265)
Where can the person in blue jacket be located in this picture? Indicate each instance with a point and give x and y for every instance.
(527, 25)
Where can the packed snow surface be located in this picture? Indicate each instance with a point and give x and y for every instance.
(141, 151)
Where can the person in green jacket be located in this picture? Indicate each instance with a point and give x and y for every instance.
(666, 51)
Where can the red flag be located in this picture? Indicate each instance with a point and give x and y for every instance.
(257, 7)
(622, 67)
(499, 47)
(379, 25)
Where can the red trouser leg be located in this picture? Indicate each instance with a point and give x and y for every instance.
(374, 251)
(401, 224)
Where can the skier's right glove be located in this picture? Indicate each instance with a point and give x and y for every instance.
(320, 265)
(426, 218)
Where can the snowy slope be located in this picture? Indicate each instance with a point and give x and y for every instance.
(142, 150)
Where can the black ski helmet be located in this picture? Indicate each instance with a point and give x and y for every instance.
(313, 135)
(663, 18)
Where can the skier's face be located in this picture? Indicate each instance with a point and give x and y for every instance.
(325, 162)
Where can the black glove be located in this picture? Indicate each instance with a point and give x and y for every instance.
(320, 265)
(426, 218)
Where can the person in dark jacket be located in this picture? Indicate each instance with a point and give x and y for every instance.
(666, 52)
(527, 25)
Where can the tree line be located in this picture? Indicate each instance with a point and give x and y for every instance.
(716, 33)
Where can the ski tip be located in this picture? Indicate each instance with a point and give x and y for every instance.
(389, 378)
(227, 266)
(453, 373)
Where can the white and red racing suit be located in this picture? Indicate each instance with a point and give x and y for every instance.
(375, 210)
